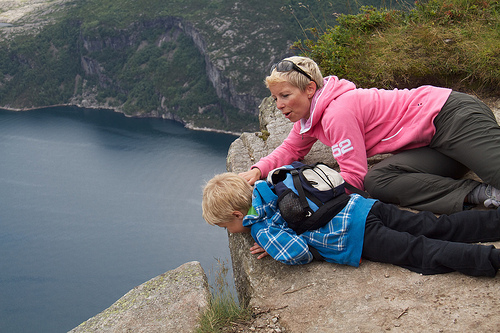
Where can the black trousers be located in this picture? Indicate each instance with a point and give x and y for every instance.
(428, 244)
(467, 137)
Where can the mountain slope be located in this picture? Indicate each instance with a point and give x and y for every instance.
(197, 61)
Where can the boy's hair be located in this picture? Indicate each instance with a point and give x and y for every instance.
(224, 194)
(295, 78)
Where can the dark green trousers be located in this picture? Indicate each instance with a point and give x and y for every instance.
(429, 178)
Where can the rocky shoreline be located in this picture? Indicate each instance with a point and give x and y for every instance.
(187, 125)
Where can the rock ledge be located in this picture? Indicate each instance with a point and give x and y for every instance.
(170, 302)
(324, 297)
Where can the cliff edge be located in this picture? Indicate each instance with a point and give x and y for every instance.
(325, 297)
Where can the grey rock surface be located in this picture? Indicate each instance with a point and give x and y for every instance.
(170, 302)
(324, 297)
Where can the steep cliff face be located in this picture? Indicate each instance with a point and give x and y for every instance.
(172, 29)
(224, 87)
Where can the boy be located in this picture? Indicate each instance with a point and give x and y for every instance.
(364, 228)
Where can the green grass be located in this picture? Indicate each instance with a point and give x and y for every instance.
(223, 311)
(452, 43)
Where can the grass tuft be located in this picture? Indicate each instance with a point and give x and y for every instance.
(224, 310)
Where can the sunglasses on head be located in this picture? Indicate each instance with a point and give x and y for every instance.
(287, 66)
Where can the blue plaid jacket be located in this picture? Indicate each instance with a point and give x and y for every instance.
(339, 241)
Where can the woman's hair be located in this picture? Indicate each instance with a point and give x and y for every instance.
(295, 78)
(224, 194)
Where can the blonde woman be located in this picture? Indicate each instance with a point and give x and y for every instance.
(435, 134)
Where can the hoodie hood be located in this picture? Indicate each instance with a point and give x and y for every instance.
(332, 88)
(265, 203)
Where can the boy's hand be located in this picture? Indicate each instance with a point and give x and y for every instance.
(257, 249)
(252, 175)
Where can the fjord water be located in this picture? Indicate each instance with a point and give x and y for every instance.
(93, 204)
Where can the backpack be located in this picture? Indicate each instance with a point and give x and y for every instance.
(309, 196)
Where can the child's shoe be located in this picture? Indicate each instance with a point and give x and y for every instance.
(486, 194)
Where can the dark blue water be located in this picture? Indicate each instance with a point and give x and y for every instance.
(93, 204)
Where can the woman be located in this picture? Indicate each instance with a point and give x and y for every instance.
(436, 136)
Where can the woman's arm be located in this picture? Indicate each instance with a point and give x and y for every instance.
(294, 148)
(346, 133)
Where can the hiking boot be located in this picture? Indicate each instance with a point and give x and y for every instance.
(486, 194)
(493, 195)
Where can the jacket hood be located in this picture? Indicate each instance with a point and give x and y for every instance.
(332, 88)
(264, 201)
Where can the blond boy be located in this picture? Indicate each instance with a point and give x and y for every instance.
(365, 228)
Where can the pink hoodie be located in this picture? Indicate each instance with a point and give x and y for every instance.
(359, 123)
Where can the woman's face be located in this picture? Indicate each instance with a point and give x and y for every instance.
(291, 101)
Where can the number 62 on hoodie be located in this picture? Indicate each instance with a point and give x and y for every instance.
(342, 147)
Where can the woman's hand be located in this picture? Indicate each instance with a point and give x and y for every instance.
(252, 175)
(256, 248)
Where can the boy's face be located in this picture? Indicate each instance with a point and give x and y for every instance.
(236, 224)
(291, 101)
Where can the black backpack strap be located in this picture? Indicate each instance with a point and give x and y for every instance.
(356, 190)
(302, 195)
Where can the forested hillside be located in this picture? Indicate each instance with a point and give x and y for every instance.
(200, 62)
